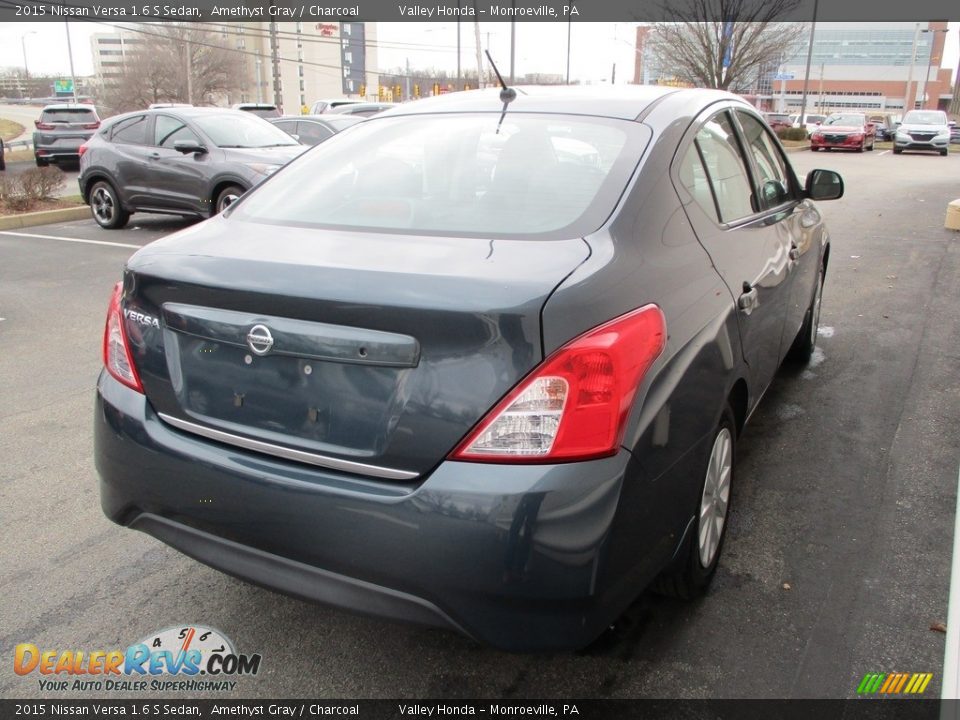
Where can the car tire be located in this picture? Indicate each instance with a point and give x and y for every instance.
(227, 197)
(3, 160)
(803, 345)
(897, 151)
(814, 149)
(105, 206)
(705, 545)
(943, 153)
(41, 162)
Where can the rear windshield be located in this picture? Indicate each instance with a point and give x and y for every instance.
(931, 117)
(844, 119)
(71, 115)
(534, 175)
(263, 112)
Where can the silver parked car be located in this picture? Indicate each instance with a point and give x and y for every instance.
(923, 130)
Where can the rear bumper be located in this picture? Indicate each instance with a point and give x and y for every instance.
(515, 557)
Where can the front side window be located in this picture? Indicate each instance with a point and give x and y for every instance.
(725, 167)
(459, 175)
(771, 167)
(167, 130)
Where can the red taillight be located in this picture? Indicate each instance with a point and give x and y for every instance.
(44, 126)
(575, 404)
(92, 126)
(82, 149)
(116, 350)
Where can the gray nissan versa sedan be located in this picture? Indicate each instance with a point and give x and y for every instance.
(182, 161)
(501, 398)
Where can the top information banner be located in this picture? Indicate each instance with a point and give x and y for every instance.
(480, 10)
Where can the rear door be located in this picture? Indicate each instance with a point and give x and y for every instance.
(749, 251)
(128, 138)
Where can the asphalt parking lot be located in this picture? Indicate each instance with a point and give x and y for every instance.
(837, 562)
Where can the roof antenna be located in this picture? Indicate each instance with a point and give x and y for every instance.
(507, 94)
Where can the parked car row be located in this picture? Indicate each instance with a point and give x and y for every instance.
(846, 131)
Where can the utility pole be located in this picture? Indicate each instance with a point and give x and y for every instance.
(806, 75)
(73, 77)
(569, 28)
(955, 103)
(513, 42)
(910, 99)
(259, 80)
(189, 52)
(275, 57)
(406, 89)
(820, 90)
(476, 32)
(923, 91)
(459, 72)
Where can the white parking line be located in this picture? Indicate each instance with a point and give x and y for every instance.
(951, 661)
(885, 152)
(66, 239)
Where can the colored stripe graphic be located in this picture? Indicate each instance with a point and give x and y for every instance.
(894, 683)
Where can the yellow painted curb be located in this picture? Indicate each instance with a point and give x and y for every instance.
(44, 217)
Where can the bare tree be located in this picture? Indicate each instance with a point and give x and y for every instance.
(157, 71)
(724, 44)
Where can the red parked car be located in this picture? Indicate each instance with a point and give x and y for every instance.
(849, 131)
(777, 120)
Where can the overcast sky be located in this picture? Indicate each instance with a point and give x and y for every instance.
(540, 47)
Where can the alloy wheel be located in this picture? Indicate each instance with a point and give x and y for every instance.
(103, 205)
(716, 497)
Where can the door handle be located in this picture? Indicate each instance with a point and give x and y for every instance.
(794, 252)
(748, 300)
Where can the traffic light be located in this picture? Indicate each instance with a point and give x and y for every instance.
(436, 89)
(397, 93)
(363, 91)
(416, 90)
(381, 93)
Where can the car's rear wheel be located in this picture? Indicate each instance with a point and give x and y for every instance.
(105, 206)
(806, 340)
(897, 151)
(41, 162)
(227, 197)
(706, 544)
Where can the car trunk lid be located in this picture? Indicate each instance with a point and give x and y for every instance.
(368, 353)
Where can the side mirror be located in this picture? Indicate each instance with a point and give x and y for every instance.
(823, 185)
(189, 146)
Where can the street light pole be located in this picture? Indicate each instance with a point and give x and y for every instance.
(26, 71)
(806, 75)
(923, 91)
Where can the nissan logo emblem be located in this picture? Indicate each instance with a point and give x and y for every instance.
(259, 339)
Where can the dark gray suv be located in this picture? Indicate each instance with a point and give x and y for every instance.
(475, 364)
(61, 130)
(184, 161)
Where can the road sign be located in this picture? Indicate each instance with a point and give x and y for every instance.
(784, 76)
(63, 86)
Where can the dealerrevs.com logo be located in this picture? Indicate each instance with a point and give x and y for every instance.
(187, 658)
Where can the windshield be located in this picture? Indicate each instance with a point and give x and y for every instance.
(846, 119)
(241, 130)
(457, 175)
(931, 117)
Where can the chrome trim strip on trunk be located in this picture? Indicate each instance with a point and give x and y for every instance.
(288, 453)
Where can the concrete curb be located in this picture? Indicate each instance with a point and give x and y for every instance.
(798, 148)
(44, 217)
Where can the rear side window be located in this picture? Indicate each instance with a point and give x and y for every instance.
(132, 131)
(461, 175)
(69, 115)
(725, 168)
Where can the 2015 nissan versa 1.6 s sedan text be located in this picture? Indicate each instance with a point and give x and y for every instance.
(480, 362)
